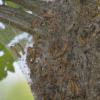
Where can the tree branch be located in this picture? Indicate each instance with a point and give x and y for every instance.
(33, 5)
(19, 19)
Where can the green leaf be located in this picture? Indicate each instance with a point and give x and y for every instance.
(6, 62)
(11, 4)
(14, 5)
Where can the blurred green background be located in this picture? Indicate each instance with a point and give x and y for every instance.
(13, 86)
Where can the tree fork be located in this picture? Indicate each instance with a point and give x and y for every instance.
(19, 19)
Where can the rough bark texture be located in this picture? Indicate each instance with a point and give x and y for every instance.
(64, 62)
(65, 58)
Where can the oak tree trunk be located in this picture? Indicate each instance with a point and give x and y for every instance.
(65, 58)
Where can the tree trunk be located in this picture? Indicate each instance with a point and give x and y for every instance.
(64, 59)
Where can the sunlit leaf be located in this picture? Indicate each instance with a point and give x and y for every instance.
(11, 4)
(6, 62)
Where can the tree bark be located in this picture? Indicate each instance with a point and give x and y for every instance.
(65, 58)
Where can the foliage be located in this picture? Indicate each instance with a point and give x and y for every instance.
(11, 4)
(6, 62)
